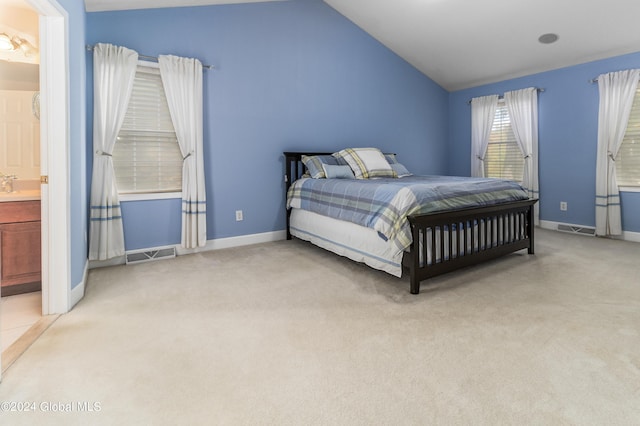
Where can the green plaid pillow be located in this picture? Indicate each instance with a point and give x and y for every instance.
(366, 163)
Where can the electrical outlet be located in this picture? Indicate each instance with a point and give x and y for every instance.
(563, 206)
(239, 216)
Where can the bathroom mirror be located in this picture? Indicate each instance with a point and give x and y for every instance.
(35, 105)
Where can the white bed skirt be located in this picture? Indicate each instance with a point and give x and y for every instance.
(347, 239)
(364, 245)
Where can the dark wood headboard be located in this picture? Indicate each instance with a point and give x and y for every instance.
(294, 169)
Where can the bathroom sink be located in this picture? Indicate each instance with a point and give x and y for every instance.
(24, 190)
(20, 195)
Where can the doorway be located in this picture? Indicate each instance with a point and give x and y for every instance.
(20, 224)
(54, 132)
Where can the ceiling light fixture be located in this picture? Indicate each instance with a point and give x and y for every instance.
(548, 38)
(15, 43)
(6, 43)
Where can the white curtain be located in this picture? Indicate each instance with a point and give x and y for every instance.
(114, 69)
(182, 80)
(617, 90)
(523, 110)
(483, 110)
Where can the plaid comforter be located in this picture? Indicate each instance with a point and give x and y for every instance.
(384, 204)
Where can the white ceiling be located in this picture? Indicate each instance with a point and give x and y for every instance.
(466, 43)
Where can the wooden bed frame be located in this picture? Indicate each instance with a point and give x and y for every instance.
(482, 233)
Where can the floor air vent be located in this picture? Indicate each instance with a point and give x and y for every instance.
(582, 230)
(149, 255)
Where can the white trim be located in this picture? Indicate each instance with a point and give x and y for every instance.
(56, 92)
(54, 123)
(626, 235)
(242, 240)
(150, 64)
(114, 261)
(150, 196)
(217, 244)
(77, 293)
(629, 188)
(552, 226)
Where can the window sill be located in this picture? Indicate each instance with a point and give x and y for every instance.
(150, 196)
(629, 188)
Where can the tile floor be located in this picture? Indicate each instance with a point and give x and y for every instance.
(17, 314)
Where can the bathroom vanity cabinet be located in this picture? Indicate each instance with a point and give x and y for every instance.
(20, 264)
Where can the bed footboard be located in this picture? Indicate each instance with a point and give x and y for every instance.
(446, 241)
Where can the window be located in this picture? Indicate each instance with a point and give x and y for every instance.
(628, 159)
(503, 158)
(146, 156)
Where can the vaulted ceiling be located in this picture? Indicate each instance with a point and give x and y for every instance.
(466, 43)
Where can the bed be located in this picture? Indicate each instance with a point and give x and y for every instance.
(432, 237)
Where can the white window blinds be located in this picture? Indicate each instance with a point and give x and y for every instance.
(146, 157)
(503, 158)
(628, 159)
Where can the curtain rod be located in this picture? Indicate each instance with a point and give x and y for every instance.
(593, 80)
(502, 96)
(153, 58)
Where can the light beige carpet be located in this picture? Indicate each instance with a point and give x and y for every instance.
(287, 334)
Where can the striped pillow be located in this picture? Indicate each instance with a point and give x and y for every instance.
(401, 170)
(314, 163)
(391, 158)
(338, 172)
(366, 163)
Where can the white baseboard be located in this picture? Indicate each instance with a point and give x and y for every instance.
(215, 244)
(242, 240)
(119, 260)
(626, 235)
(631, 236)
(77, 293)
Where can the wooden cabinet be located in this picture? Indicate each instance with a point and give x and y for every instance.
(20, 269)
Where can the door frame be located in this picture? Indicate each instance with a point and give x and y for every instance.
(54, 155)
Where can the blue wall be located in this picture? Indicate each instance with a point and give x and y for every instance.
(77, 142)
(291, 75)
(568, 134)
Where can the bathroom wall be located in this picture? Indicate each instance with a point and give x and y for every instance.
(19, 76)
